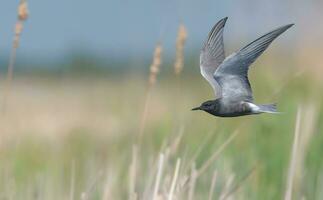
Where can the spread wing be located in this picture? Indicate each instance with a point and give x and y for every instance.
(232, 74)
(212, 54)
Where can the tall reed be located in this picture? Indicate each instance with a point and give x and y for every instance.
(23, 15)
(304, 129)
(154, 70)
(293, 161)
(178, 68)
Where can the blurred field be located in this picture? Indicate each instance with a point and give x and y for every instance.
(78, 88)
(72, 137)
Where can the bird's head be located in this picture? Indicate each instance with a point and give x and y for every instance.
(208, 106)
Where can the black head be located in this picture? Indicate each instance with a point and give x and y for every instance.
(211, 106)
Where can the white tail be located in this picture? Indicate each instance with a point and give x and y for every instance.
(269, 108)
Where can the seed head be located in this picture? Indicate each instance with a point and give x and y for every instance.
(23, 12)
(180, 42)
(154, 68)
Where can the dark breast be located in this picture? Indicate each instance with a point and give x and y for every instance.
(233, 109)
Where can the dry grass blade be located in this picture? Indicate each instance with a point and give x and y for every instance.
(192, 182)
(154, 69)
(72, 181)
(177, 141)
(309, 119)
(293, 161)
(86, 195)
(173, 185)
(132, 173)
(106, 190)
(239, 183)
(155, 166)
(227, 187)
(216, 154)
(159, 175)
(199, 150)
(214, 177)
(23, 14)
(178, 68)
(110, 184)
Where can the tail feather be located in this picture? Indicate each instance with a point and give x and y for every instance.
(268, 108)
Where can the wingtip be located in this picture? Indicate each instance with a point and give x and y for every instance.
(225, 19)
(282, 29)
(287, 26)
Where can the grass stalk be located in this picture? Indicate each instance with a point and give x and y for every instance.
(227, 187)
(212, 187)
(192, 183)
(132, 173)
(293, 161)
(72, 187)
(199, 149)
(178, 68)
(87, 193)
(159, 175)
(173, 185)
(237, 186)
(216, 154)
(106, 190)
(154, 69)
(23, 14)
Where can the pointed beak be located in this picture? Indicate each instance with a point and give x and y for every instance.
(197, 108)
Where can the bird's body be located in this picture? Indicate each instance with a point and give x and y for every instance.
(221, 108)
(229, 76)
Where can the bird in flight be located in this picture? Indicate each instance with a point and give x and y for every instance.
(229, 76)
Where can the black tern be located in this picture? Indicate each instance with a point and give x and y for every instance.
(229, 76)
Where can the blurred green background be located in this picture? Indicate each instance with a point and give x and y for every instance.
(73, 114)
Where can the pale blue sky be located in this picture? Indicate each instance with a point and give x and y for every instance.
(122, 27)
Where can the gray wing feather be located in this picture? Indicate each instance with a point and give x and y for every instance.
(232, 74)
(212, 54)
